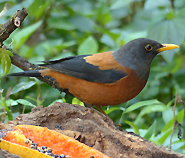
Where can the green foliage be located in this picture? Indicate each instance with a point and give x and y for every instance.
(89, 45)
(150, 131)
(143, 103)
(22, 86)
(24, 102)
(58, 28)
(22, 36)
(3, 103)
(134, 127)
(5, 60)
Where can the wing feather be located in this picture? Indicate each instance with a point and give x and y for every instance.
(76, 66)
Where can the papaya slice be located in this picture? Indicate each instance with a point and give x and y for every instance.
(59, 143)
(21, 151)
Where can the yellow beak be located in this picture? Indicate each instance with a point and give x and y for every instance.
(167, 47)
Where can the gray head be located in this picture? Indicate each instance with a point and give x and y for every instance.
(139, 53)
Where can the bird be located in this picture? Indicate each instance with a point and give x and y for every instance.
(107, 78)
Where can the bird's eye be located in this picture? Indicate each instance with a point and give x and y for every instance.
(148, 47)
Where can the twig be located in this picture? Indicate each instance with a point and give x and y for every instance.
(172, 4)
(14, 22)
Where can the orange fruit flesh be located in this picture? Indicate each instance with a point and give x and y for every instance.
(59, 143)
(20, 150)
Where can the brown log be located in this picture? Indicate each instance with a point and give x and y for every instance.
(95, 130)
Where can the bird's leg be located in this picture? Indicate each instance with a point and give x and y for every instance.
(87, 105)
(98, 107)
(102, 111)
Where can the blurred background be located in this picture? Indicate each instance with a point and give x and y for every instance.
(55, 29)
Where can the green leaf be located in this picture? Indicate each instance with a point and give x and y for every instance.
(38, 8)
(180, 116)
(7, 110)
(167, 115)
(36, 100)
(120, 3)
(151, 4)
(164, 136)
(2, 4)
(5, 60)
(21, 36)
(76, 101)
(8, 52)
(11, 102)
(89, 46)
(51, 46)
(114, 36)
(107, 40)
(111, 109)
(17, 6)
(141, 104)
(3, 63)
(60, 23)
(8, 64)
(103, 14)
(171, 102)
(82, 23)
(22, 86)
(150, 131)
(168, 126)
(168, 31)
(179, 144)
(149, 109)
(25, 102)
(136, 130)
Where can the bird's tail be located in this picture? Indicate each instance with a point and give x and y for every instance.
(31, 73)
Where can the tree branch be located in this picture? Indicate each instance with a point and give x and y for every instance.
(14, 22)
